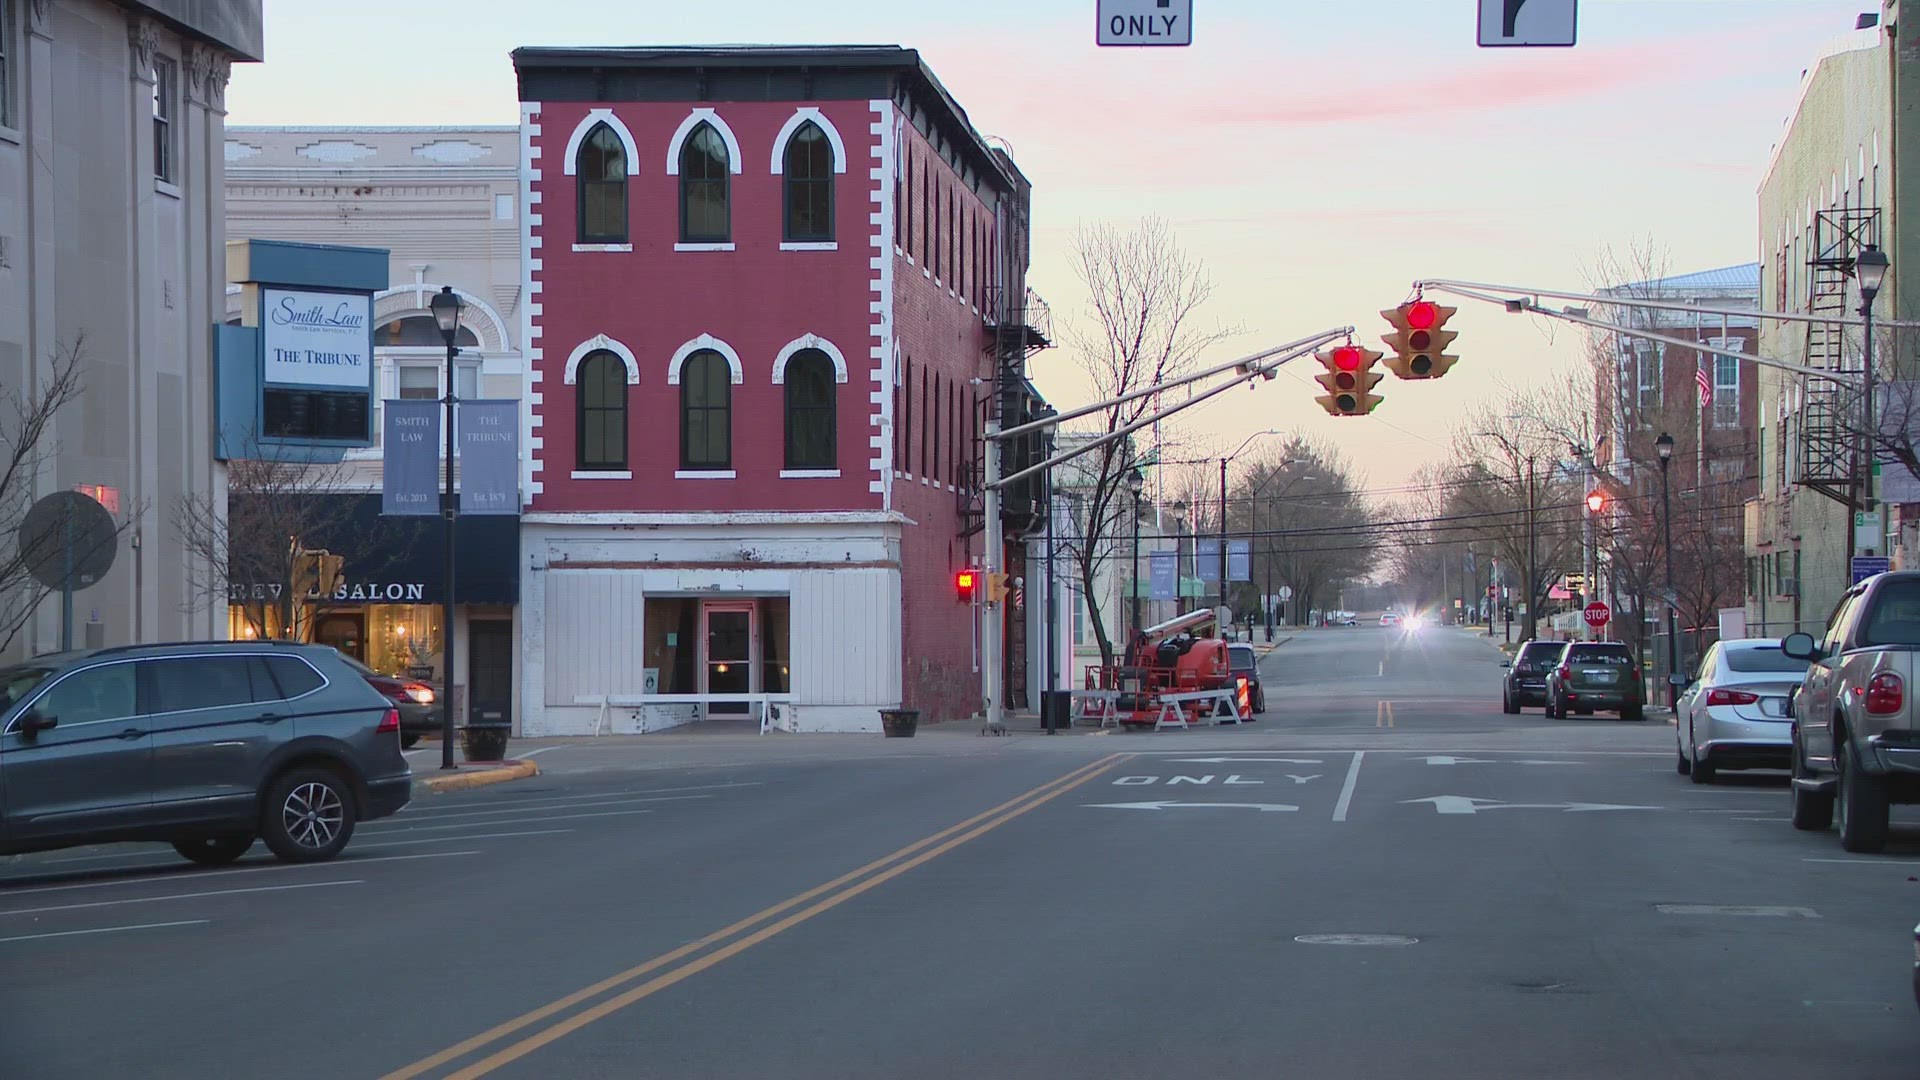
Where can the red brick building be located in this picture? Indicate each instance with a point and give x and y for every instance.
(764, 289)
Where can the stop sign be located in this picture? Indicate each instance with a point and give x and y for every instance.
(1598, 614)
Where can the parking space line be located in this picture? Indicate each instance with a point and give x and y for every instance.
(397, 824)
(537, 753)
(1346, 792)
(179, 896)
(186, 870)
(106, 930)
(460, 839)
(1867, 862)
(463, 809)
(521, 821)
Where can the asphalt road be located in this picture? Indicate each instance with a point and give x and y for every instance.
(1384, 877)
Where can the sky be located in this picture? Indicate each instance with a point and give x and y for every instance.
(1318, 157)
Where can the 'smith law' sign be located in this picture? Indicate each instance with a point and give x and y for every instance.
(1145, 22)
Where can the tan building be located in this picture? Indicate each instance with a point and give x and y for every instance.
(112, 119)
(444, 203)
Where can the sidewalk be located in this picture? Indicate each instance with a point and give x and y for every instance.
(430, 779)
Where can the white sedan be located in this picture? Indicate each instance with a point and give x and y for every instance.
(1734, 714)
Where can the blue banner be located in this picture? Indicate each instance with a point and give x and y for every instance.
(489, 437)
(410, 440)
(1164, 579)
(1207, 555)
(1239, 560)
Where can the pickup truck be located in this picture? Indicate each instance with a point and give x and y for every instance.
(1856, 745)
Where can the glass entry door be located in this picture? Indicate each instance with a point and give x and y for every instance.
(730, 649)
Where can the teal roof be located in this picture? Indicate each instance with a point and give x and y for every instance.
(1744, 277)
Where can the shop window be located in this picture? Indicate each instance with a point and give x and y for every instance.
(704, 181)
(602, 398)
(706, 412)
(672, 646)
(602, 171)
(810, 410)
(419, 382)
(809, 183)
(775, 639)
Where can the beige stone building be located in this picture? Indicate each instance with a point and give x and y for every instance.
(112, 199)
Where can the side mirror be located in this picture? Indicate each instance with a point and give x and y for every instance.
(1800, 647)
(33, 723)
(1506, 663)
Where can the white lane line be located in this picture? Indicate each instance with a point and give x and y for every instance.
(393, 824)
(522, 821)
(1867, 862)
(186, 870)
(106, 930)
(451, 809)
(1761, 911)
(1763, 819)
(537, 753)
(1346, 792)
(457, 839)
(179, 896)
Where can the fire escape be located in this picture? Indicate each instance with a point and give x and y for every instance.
(1018, 330)
(1829, 420)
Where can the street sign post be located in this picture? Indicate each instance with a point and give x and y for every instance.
(1506, 23)
(1597, 614)
(1145, 22)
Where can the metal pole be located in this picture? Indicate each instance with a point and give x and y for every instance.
(449, 510)
(1133, 582)
(1053, 650)
(993, 628)
(1872, 436)
(1223, 538)
(1589, 569)
(1533, 568)
(1673, 615)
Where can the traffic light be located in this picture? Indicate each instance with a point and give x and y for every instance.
(966, 584)
(997, 588)
(1349, 380)
(1419, 340)
(1597, 501)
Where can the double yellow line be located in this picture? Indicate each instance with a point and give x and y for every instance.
(737, 938)
(1383, 717)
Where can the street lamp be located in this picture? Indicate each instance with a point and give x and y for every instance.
(1223, 507)
(1664, 447)
(1179, 553)
(1870, 270)
(446, 312)
(1136, 481)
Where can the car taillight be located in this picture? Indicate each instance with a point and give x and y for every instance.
(389, 721)
(1885, 694)
(1723, 696)
(417, 693)
(1565, 673)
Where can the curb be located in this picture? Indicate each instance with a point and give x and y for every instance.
(508, 770)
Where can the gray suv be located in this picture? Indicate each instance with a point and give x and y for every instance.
(206, 746)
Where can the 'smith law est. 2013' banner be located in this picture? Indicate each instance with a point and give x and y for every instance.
(488, 438)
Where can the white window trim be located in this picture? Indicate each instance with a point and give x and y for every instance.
(602, 474)
(685, 129)
(593, 118)
(596, 343)
(800, 116)
(603, 247)
(11, 135)
(809, 474)
(809, 341)
(726, 246)
(704, 474)
(809, 245)
(163, 187)
(705, 341)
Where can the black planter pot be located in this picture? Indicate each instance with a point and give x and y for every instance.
(485, 742)
(899, 723)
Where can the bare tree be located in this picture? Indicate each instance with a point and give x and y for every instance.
(27, 447)
(1142, 327)
(258, 549)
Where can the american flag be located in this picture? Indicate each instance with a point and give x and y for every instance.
(1705, 384)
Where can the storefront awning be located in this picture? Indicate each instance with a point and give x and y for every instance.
(402, 560)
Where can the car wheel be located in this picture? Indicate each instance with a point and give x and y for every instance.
(213, 849)
(308, 815)
(1863, 806)
(1260, 700)
(408, 742)
(1704, 770)
(1634, 713)
(1812, 810)
(1684, 765)
(1554, 711)
(1508, 705)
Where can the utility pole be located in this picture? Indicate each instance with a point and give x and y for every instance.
(1533, 568)
(993, 629)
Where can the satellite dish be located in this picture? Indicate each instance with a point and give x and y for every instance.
(68, 533)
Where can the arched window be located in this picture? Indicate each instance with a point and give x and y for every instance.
(706, 412)
(600, 387)
(809, 169)
(810, 411)
(421, 330)
(601, 170)
(703, 188)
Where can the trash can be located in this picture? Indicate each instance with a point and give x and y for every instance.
(1056, 710)
(899, 723)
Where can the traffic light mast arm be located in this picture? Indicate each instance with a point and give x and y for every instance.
(1261, 367)
(1460, 288)
(1523, 304)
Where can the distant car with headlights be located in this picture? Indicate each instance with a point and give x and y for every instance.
(417, 702)
(1737, 713)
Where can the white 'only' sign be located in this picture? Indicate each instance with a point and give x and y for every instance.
(1145, 22)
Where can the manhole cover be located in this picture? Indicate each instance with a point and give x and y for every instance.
(1356, 939)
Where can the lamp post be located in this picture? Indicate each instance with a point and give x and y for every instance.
(1135, 481)
(446, 312)
(1223, 508)
(1870, 270)
(1179, 553)
(1664, 446)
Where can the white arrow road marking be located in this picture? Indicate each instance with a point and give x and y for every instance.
(1463, 804)
(1444, 760)
(1302, 779)
(1239, 760)
(1164, 805)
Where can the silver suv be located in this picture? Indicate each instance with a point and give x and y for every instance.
(206, 746)
(1856, 746)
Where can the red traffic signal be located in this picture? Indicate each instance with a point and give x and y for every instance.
(1349, 380)
(1422, 314)
(1347, 358)
(1419, 340)
(967, 584)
